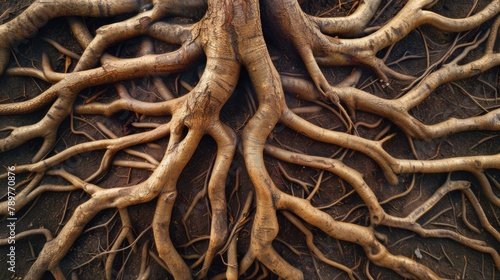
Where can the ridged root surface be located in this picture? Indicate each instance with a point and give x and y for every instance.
(145, 92)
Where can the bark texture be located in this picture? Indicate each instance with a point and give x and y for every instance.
(233, 41)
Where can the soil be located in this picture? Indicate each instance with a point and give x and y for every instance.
(86, 260)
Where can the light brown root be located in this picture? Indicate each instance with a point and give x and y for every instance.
(375, 251)
(314, 249)
(226, 142)
(350, 25)
(125, 233)
(205, 102)
(68, 89)
(38, 13)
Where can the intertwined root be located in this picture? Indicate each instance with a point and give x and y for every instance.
(230, 35)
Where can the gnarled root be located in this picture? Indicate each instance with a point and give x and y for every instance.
(229, 35)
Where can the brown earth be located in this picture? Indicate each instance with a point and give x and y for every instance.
(449, 259)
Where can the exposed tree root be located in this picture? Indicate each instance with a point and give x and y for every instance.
(230, 35)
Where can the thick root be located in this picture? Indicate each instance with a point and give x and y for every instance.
(120, 131)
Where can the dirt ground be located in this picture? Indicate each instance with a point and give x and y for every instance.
(449, 259)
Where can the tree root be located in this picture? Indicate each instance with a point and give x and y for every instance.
(230, 35)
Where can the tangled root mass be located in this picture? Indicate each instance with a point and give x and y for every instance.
(313, 129)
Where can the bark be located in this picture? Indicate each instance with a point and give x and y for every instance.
(228, 36)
